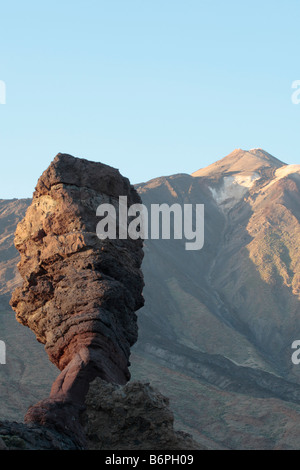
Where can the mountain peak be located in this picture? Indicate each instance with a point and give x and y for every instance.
(241, 161)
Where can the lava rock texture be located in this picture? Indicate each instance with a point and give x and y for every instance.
(79, 293)
(133, 416)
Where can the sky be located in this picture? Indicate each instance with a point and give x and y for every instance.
(151, 87)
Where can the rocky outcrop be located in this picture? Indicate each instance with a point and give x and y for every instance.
(131, 417)
(29, 436)
(134, 416)
(79, 293)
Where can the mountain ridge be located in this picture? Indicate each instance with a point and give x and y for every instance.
(241, 160)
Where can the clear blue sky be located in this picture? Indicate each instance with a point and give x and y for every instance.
(152, 87)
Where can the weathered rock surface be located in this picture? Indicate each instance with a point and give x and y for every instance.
(131, 417)
(21, 436)
(79, 293)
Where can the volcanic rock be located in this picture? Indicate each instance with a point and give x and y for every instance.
(79, 293)
(131, 417)
(30, 436)
(134, 416)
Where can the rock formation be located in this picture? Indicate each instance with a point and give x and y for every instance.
(134, 416)
(79, 293)
(31, 436)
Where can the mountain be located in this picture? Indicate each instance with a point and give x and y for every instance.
(11, 213)
(216, 330)
(220, 322)
(242, 162)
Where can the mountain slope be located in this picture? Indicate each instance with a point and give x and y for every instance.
(237, 298)
(27, 374)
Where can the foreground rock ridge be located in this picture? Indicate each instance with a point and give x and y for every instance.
(134, 416)
(79, 294)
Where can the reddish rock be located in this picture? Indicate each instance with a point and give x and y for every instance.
(79, 293)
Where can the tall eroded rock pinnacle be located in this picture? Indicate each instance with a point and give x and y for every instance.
(79, 294)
